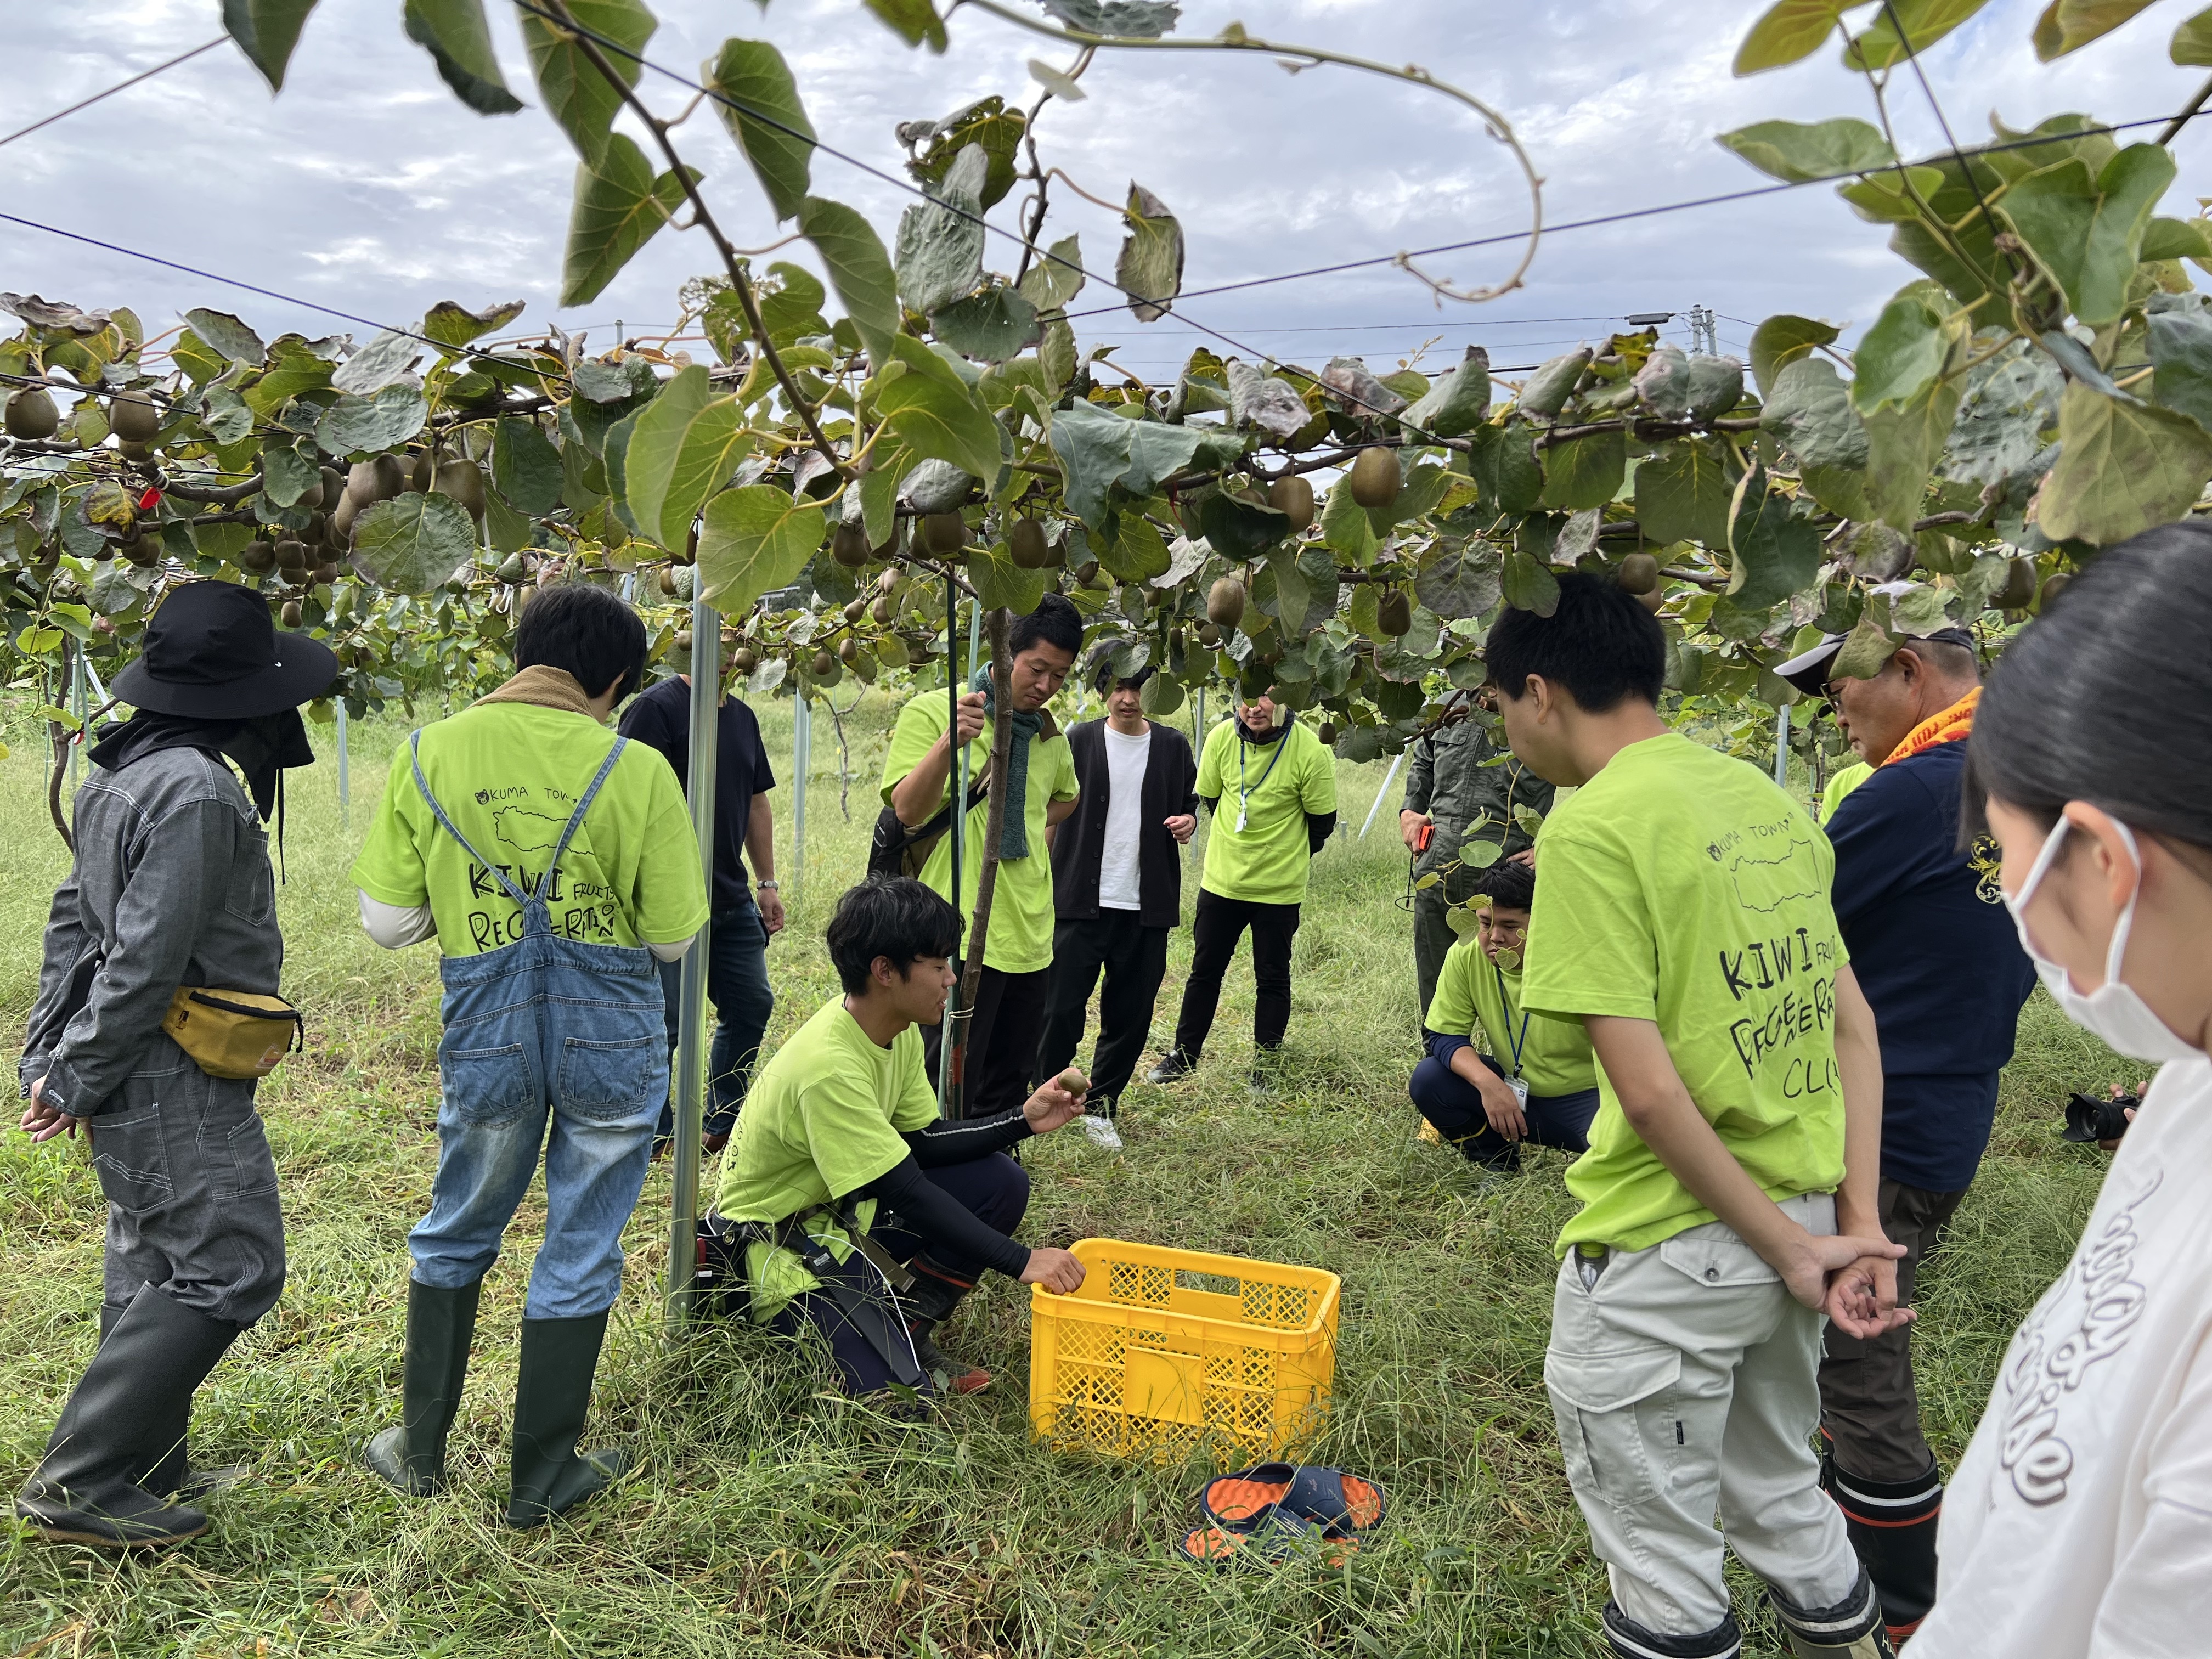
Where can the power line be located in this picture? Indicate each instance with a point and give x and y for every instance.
(120, 85)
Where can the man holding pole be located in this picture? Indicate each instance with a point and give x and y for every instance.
(1037, 792)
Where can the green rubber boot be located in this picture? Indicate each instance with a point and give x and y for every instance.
(559, 1358)
(441, 1324)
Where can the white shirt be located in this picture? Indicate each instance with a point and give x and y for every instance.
(2079, 1525)
(1118, 881)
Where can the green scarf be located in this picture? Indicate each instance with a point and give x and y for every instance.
(1014, 830)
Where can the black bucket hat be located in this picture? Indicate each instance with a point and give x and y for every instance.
(211, 651)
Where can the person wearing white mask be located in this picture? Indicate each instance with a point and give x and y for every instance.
(2079, 1522)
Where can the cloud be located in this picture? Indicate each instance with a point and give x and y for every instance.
(365, 187)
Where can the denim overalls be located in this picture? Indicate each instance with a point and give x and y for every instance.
(544, 1025)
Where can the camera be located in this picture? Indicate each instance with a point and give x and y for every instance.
(2090, 1119)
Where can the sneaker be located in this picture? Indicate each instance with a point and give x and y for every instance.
(949, 1375)
(1174, 1065)
(1102, 1133)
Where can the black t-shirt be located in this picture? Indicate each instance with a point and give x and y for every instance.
(662, 717)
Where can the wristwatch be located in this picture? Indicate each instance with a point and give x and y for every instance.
(769, 884)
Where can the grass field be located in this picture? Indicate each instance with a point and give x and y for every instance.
(768, 1519)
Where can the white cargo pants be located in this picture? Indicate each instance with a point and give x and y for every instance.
(1685, 1382)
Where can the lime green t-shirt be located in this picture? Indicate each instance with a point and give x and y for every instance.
(508, 775)
(1681, 886)
(1020, 940)
(825, 1118)
(1554, 1053)
(1255, 845)
(1848, 779)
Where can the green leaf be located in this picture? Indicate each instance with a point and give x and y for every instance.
(1782, 340)
(413, 544)
(913, 20)
(1772, 552)
(1926, 21)
(2192, 41)
(1505, 468)
(859, 270)
(377, 364)
(2175, 239)
(1098, 450)
(619, 206)
(2008, 402)
(1345, 527)
(1893, 197)
(266, 31)
(1053, 283)
(451, 324)
(2069, 25)
(525, 467)
(1585, 471)
(932, 412)
(988, 124)
(1239, 528)
(940, 240)
(1137, 553)
(1546, 392)
(226, 334)
(879, 493)
(754, 540)
(362, 427)
(2088, 234)
(685, 445)
(1144, 20)
(1682, 495)
(454, 33)
(1149, 267)
(287, 475)
(1457, 402)
(791, 305)
(1528, 585)
(2181, 348)
(993, 325)
(1462, 581)
(999, 582)
(576, 94)
(1160, 697)
(1900, 355)
(1789, 31)
(1798, 153)
(507, 530)
(769, 121)
(2123, 467)
(1903, 443)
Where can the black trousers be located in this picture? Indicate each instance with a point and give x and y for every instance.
(1135, 960)
(1216, 926)
(1002, 1031)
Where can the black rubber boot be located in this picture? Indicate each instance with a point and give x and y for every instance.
(1627, 1639)
(1852, 1629)
(1892, 1527)
(559, 1358)
(119, 1422)
(441, 1324)
(931, 1301)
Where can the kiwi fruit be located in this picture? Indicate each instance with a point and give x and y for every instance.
(1394, 613)
(880, 610)
(743, 660)
(374, 481)
(1328, 734)
(1025, 538)
(1638, 573)
(291, 555)
(464, 482)
(424, 474)
(849, 651)
(1225, 603)
(324, 574)
(259, 557)
(317, 530)
(290, 613)
(849, 546)
(1651, 601)
(31, 414)
(515, 568)
(824, 666)
(1294, 498)
(145, 553)
(944, 533)
(2053, 585)
(132, 417)
(2018, 590)
(134, 452)
(856, 608)
(1209, 636)
(668, 579)
(334, 484)
(339, 529)
(1375, 477)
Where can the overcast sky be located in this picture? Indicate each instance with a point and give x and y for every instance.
(366, 187)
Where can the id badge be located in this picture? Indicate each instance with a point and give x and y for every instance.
(1520, 1087)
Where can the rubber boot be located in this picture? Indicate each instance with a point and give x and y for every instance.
(929, 1303)
(1852, 1629)
(1892, 1527)
(441, 1324)
(171, 1476)
(1627, 1639)
(87, 1489)
(559, 1357)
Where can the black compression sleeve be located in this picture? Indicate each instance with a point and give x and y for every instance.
(950, 1141)
(1320, 826)
(926, 1208)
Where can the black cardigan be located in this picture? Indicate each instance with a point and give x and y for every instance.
(1078, 845)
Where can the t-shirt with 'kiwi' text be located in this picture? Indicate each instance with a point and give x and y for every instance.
(1682, 887)
(509, 775)
(1256, 847)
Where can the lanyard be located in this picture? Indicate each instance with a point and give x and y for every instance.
(1507, 1009)
(1244, 793)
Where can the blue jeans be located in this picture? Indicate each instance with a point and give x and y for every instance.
(737, 984)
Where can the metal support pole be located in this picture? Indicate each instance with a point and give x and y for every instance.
(959, 824)
(1383, 795)
(346, 780)
(691, 1016)
(1781, 747)
(802, 763)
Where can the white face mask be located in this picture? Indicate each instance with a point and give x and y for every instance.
(2112, 1010)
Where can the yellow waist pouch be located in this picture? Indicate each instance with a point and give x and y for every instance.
(234, 1034)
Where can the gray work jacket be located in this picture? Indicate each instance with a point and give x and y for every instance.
(171, 886)
(1447, 780)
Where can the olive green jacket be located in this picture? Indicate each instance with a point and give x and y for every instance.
(1447, 780)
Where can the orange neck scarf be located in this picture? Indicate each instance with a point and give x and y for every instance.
(1952, 725)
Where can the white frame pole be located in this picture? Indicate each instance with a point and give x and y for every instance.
(1782, 746)
(691, 1016)
(1383, 793)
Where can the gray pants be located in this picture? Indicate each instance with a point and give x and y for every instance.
(190, 1189)
(1683, 1380)
(1432, 939)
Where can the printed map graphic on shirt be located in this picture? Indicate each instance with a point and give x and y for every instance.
(527, 831)
(1773, 877)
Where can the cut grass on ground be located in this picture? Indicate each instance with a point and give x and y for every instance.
(769, 1518)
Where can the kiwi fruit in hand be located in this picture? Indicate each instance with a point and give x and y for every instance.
(1294, 498)
(1375, 477)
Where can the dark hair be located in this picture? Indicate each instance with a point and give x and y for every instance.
(893, 916)
(1507, 883)
(2107, 697)
(1600, 645)
(1949, 657)
(1055, 622)
(585, 632)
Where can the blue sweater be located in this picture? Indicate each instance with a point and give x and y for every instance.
(1935, 951)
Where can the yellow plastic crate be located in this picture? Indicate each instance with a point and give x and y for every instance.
(1162, 1351)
